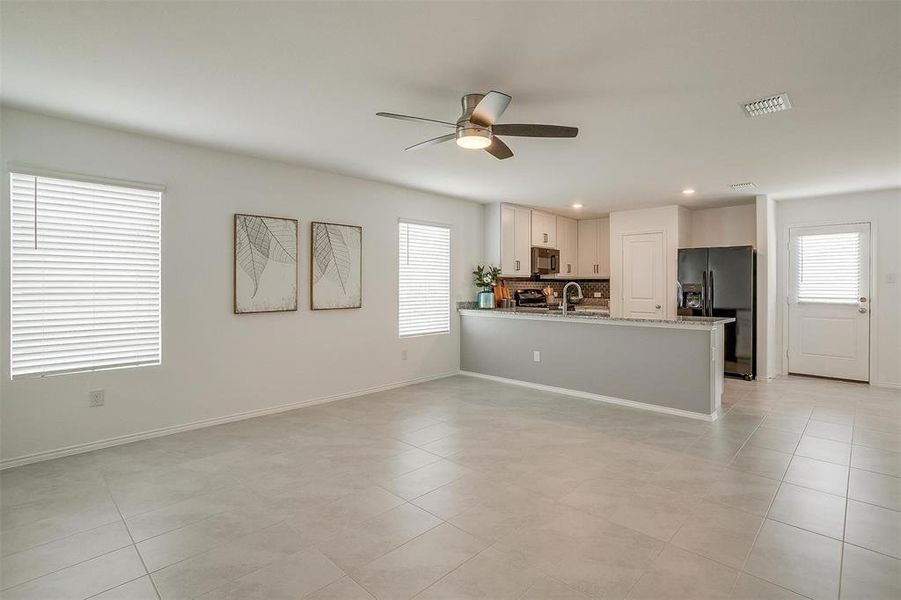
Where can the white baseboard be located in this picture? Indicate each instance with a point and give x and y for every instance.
(18, 461)
(887, 384)
(598, 397)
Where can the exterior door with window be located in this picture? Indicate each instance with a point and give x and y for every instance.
(644, 276)
(829, 301)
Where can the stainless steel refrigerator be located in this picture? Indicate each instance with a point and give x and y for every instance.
(720, 282)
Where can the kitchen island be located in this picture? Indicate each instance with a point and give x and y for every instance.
(673, 366)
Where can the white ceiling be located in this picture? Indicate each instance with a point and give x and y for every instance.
(654, 88)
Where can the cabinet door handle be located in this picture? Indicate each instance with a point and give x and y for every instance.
(517, 266)
(545, 238)
(568, 268)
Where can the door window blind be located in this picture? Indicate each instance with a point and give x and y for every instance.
(828, 267)
(424, 279)
(84, 276)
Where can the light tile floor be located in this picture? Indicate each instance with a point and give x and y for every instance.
(462, 488)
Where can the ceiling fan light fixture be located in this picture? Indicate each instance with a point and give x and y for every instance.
(473, 138)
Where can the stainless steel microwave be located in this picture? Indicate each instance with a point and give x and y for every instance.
(545, 261)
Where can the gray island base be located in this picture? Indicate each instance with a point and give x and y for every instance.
(670, 366)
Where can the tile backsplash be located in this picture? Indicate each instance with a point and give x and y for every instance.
(589, 287)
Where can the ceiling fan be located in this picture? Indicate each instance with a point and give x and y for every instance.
(477, 128)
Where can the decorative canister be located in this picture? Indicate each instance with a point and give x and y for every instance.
(486, 299)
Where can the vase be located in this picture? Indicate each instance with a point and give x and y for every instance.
(486, 299)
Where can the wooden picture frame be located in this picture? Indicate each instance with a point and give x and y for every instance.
(336, 266)
(264, 243)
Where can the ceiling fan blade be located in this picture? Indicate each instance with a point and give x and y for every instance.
(535, 130)
(438, 140)
(415, 119)
(490, 108)
(499, 149)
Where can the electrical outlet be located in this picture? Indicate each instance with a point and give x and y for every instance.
(403, 354)
(536, 355)
(96, 398)
(596, 295)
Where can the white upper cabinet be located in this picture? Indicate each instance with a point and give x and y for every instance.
(568, 243)
(603, 247)
(544, 229)
(594, 248)
(515, 234)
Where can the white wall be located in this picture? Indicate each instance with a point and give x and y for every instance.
(769, 362)
(216, 363)
(882, 210)
(724, 226)
(665, 219)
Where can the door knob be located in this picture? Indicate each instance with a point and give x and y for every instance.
(657, 306)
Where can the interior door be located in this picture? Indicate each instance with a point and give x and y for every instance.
(644, 276)
(829, 301)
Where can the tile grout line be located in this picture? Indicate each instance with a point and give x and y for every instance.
(841, 562)
(131, 537)
(59, 539)
(770, 507)
(75, 564)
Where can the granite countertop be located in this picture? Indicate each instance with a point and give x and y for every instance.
(596, 316)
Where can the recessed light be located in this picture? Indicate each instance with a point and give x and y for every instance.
(688, 191)
(577, 205)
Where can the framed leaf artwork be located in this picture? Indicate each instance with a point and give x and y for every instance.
(336, 269)
(265, 264)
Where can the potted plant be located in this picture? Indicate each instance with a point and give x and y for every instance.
(485, 278)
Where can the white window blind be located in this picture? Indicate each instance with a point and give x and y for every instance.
(424, 279)
(828, 267)
(84, 276)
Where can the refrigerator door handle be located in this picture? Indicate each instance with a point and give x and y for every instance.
(704, 293)
(711, 294)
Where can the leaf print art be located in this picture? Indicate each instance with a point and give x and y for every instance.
(266, 253)
(336, 276)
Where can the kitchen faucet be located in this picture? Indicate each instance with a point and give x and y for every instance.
(565, 290)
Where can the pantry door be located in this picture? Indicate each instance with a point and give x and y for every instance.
(644, 276)
(829, 301)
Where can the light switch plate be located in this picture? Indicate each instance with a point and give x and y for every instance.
(536, 355)
(596, 295)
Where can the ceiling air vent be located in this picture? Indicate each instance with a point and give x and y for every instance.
(764, 106)
(744, 187)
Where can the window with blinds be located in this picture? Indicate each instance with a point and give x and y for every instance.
(828, 267)
(424, 279)
(84, 276)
